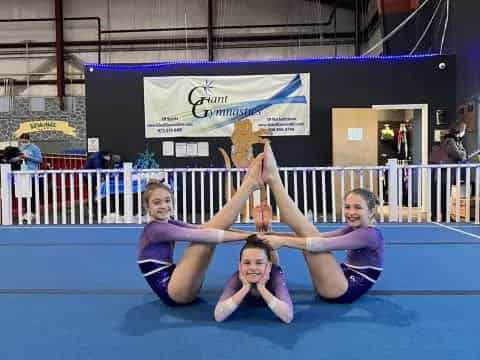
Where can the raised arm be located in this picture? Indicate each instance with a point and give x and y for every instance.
(232, 296)
(278, 300)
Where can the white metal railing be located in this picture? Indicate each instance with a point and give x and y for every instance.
(407, 193)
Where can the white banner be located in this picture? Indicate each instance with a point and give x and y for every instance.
(208, 106)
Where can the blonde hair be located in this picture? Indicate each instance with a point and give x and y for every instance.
(152, 185)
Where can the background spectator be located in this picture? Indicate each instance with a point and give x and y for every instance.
(31, 154)
(450, 151)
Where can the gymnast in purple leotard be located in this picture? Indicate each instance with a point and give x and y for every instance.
(258, 282)
(180, 283)
(364, 244)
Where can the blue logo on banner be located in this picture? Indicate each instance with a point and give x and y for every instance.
(246, 109)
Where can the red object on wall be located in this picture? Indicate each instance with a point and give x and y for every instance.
(62, 161)
(397, 6)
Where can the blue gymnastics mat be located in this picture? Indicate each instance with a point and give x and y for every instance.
(75, 292)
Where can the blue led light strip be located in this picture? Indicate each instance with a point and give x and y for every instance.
(133, 67)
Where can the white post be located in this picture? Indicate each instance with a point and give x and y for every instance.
(393, 189)
(6, 194)
(127, 193)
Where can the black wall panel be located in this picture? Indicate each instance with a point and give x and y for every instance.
(115, 109)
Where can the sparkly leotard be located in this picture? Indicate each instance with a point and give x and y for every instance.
(364, 258)
(155, 251)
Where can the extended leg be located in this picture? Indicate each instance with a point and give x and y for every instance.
(187, 279)
(327, 275)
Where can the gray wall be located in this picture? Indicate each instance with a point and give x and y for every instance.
(48, 141)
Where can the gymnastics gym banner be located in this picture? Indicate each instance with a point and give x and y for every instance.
(45, 125)
(208, 106)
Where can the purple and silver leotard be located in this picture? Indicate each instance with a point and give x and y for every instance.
(276, 285)
(363, 263)
(155, 251)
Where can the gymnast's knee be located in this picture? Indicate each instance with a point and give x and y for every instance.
(330, 292)
(182, 294)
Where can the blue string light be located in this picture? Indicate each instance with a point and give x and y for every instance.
(135, 67)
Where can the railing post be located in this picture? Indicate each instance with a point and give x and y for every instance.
(6, 194)
(392, 165)
(127, 193)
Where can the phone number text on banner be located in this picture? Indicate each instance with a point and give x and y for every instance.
(208, 106)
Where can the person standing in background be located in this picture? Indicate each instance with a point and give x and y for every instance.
(450, 151)
(99, 160)
(30, 152)
(31, 156)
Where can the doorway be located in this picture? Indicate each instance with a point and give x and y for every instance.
(371, 136)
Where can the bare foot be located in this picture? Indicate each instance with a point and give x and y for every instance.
(270, 168)
(262, 215)
(254, 173)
